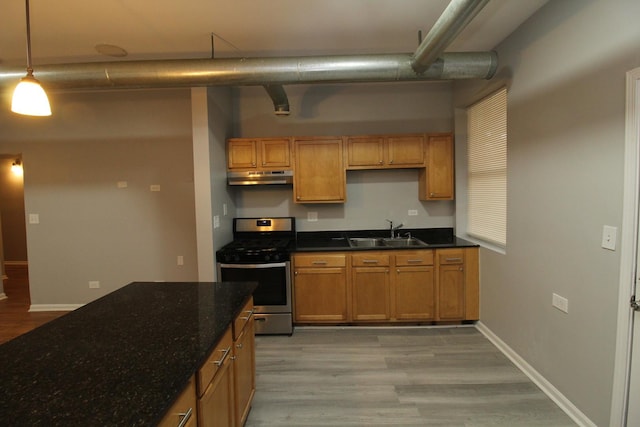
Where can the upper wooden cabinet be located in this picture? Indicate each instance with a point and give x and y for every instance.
(258, 153)
(319, 175)
(436, 181)
(385, 152)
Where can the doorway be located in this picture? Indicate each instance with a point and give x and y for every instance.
(626, 384)
(13, 236)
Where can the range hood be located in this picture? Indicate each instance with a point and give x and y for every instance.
(260, 177)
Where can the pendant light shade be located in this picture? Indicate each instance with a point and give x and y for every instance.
(29, 98)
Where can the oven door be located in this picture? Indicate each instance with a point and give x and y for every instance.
(273, 294)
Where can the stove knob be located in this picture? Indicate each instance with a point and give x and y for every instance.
(236, 258)
(276, 257)
(267, 257)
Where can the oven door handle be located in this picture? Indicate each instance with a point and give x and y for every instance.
(244, 266)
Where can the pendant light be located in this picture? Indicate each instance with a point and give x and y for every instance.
(29, 98)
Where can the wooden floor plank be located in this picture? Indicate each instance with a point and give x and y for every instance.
(393, 377)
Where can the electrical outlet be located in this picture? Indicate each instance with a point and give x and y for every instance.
(312, 216)
(154, 187)
(224, 209)
(609, 235)
(122, 184)
(180, 260)
(413, 212)
(94, 284)
(561, 303)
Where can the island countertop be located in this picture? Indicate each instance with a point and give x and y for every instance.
(120, 360)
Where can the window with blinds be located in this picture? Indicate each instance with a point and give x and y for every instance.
(487, 169)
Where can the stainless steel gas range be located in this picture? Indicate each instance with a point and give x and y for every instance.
(259, 253)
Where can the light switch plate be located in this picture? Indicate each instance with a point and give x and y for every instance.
(34, 219)
(413, 212)
(609, 235)
(122, 184)
(312, 216)
(154, 187)
(216, 221)
(561, 303)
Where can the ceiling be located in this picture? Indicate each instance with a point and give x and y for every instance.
(66, 31)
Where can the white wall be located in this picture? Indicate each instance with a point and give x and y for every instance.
(565, 73)
(372, 196)
(91, 230)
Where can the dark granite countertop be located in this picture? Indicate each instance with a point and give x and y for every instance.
(436, 238)
(120, 360)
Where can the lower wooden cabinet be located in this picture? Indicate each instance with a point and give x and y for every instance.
(183, 412)
(216, 405)
(320, 288)
(414, 286)
(370, 286)
(424, 285)
(244, 362)
(226, 381)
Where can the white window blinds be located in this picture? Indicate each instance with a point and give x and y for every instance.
(487, 169)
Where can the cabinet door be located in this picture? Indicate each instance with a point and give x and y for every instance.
(371, 293)
(451, 292)
(244, 369)
(319, 171)
(405, 151)
(241, 154)
(436, 183)
(275, 153)
(216, 407)
(365, 152)
(320, 295)
(415, 293)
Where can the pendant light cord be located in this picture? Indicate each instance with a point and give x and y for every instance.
(29, 67)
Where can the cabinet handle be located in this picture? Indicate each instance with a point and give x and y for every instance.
(239, 345)
(379, 162)
(225, 353)
(320, 262)
(414, 261)
(370, 261)
(184, 417)
(253, 164)
(453, 259)
(250, 312)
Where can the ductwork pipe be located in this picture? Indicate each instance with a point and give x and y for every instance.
(279, 98)
(452, 21)
(256, 71)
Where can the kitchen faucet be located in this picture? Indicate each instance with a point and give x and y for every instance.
(393, 229)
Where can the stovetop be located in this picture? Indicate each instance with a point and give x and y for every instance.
(259, 240)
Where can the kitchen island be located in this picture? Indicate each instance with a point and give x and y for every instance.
(122, 359)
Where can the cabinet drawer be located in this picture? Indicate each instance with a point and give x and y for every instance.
(183, 410)
(415, 258)
(450, 256)
(242, 319)
(215, 360)
(320, 260)
(370, 259)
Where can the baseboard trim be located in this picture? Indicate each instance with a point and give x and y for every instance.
(554, 394)
(3, 296)
(54, 307)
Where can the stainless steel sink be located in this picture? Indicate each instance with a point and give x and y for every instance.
(363, 242)
(403, 242)
(369, 242)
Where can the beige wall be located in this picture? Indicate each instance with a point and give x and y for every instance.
(91, 230)
(565, 72)
(372, 196)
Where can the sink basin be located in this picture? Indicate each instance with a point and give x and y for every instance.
(403, 242)
(362, 242)
(369, 242)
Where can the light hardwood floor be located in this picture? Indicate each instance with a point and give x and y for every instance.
(394, 377)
